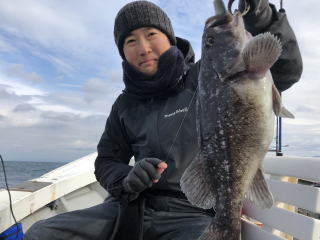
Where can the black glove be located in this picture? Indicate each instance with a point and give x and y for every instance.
(142, 175)
(259, 16)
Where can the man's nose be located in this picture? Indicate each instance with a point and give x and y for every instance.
(144, 47)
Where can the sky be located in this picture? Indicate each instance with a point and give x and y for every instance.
(60, 72)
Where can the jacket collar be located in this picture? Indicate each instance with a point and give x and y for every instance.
(186, 49)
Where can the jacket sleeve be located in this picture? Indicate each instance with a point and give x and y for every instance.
(288, 69)
(114, 153)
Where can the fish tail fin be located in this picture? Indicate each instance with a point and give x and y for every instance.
(259, 192)
(195, 185)
(221, 231)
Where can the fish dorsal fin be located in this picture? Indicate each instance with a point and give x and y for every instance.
(261, 52)
(278, 108)
(259, 192)
(196, 185)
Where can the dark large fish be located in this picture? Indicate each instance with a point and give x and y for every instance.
(236, 104)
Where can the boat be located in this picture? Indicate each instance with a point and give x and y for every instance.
(69, 187)
(74, 186)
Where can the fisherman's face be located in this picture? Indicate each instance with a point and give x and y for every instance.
(143, 47)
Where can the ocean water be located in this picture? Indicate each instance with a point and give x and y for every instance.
(18, 172)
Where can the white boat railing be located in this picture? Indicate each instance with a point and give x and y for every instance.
(37, 193)
(294, 184)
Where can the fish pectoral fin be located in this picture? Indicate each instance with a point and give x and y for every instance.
(259, 192)
(261, 53)
(276, 98)
(278, 108)
(285, 113)
(195, 184)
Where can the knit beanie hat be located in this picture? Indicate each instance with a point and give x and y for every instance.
(140, 14)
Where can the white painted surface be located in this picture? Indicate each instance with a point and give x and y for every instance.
(252, 232)
(295, 194)
(306, 168)
(295, 224)
(298, 195)
(65, 180)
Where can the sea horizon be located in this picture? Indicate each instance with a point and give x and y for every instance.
(20, 171)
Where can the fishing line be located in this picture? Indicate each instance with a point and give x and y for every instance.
(182, 121)
(10, 200)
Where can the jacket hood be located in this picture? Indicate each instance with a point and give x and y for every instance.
(186, 49)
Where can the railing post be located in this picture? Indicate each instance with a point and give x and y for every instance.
(279, 137)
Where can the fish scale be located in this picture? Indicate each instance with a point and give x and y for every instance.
(236, 103)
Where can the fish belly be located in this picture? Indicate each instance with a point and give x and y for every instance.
(243, 133)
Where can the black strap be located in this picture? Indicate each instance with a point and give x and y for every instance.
(165, 193)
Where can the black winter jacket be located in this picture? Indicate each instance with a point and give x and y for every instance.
(148, 127)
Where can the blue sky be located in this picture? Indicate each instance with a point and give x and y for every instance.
(60, 72)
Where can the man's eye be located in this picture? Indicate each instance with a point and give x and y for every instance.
(130, 41)
(150, 34)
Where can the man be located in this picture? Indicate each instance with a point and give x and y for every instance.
(160, 79)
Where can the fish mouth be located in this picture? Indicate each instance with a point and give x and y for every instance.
(224, 17)
(236, 18)
(233, 19)
(218, 20)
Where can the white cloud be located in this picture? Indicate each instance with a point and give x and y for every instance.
(82, 144)
(24, 107)
(96, 88)
(13, 86)
(69, 85)
(5, 46)
(33, 133)
(17, 71)
(41, 20)
(61, 137)
(59, 109)
(74, 27)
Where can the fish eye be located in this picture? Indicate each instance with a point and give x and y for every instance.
(209, 41)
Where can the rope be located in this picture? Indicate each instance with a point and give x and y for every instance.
(281, 4)
(10, 200)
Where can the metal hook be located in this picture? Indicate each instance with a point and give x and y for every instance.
(281, 4)
(230, 5)
(246, 9)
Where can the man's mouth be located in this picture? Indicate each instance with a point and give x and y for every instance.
(147, 61)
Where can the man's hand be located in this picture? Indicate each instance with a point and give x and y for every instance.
(143, 174)
(259, 15)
